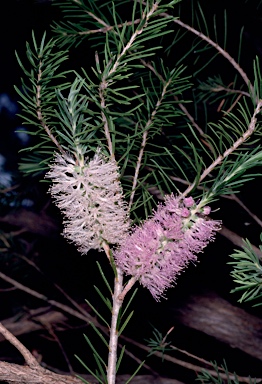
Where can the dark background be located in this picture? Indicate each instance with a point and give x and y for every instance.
(60, 263)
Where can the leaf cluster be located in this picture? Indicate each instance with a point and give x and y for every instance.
(38, 99)
(131, 107)
(222, 376)
(247, 272)
(158, 343)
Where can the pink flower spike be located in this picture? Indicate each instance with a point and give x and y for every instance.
(91, 199)
(156, 252)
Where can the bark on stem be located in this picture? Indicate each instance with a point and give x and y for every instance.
(113, 342)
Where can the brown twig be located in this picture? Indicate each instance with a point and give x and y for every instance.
(242, 205)
(18, 374)
(127, 287)
(9, 189)
(200, 359)
(86, 318)
(218, 48)
(51, 331)
(27, 355)
(65, 294)
(187, 365)
(190, 118)
(229, 90)
(101, 89)
(233, 105)
(105, 29)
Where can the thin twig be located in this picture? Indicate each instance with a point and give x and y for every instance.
(181, 106)
(101, 89)
(237, 143)
(39, 110)
(187, 365)
(108, 73)
(86, 318)
(144, 140)
(50, 330)
(215, 45)
(107, 250)
(29, 358)
(233, 105)
(201, 360)
(229, 90)
(127, 287)
(218, 48)
(196, 32)
(66, 295)
(144, 22)
(105, 29)
(139, 361)
(190, 118)
(9, 189)
(251, 214)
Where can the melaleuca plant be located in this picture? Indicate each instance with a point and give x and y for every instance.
(247, 272)
(220, 375)
(129, 166)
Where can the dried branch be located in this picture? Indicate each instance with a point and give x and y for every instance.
(86, 318)
(187, 365)
(27, 355)
(18, 374)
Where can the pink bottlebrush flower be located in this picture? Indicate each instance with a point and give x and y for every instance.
(157, 252)
(91, 198)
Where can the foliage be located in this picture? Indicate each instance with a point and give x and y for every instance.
(159, 342)
(247, 272)
(38, 99)
(222, 376)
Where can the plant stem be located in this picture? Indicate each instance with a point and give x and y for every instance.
(39, 110)
(219, 49)
(144, 140)
(113, 342)
(229, 151)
